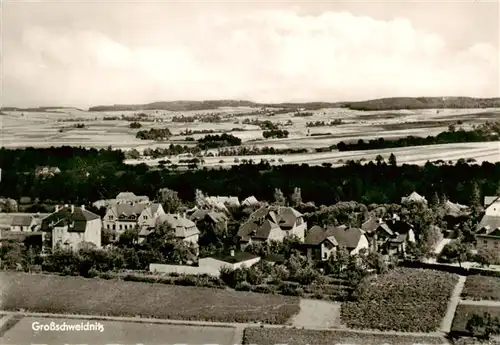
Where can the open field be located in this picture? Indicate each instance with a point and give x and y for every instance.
(480, 152)
(41, 129)
(405, 299)
(115, 332)
(76, 295)
(267, 336)
(465, 312)
(482, 288)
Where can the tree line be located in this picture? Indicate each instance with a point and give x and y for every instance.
(90, 174)
(486, 132)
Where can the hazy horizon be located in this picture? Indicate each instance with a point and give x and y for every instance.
(83, 54)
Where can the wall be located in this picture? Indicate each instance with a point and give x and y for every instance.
(363, 243)
(491, 243)
(93, 232)
(493, 209)
(61, 235)
(180, 269)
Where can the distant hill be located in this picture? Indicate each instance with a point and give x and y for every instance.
(208, 105)
(37, 109)
(394, 103)
(398, 103)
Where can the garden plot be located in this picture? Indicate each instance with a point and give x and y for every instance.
(482, 288)
(407, 300)
(465, 312)
(272, 336)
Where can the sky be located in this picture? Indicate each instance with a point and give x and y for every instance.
(69, 53)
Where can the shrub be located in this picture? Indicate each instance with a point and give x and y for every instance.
(243, 286)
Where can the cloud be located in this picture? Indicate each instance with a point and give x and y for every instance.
(271, 55)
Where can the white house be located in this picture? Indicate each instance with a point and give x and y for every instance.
(124, 216)
(72, 226)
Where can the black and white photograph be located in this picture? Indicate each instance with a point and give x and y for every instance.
(249, 172)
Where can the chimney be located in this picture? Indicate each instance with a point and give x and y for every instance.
(72, 208)
(57, 208)
(231, 253)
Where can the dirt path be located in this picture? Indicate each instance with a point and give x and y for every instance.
(317, 313)
(483, 302)
(452, 305)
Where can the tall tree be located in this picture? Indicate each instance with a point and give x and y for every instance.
(392, 160)
(296, 197)
(279, 197)
(169, 199)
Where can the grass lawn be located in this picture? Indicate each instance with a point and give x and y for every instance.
(465, 312)
(482, 288)
(405, 299)
(77, 295)
(268, 336)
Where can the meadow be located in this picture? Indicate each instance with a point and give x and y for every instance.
(111, 128)
(76, 295)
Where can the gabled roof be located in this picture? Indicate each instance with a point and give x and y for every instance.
(489, 222)
(76, 220)
(453, 209)
(265, 229)
(22, 220)
(183, 227)
(370, 225)
(348, 238)
(488, 200)
(251, 200)
(317, 235)
(413, 197)
(488, 231)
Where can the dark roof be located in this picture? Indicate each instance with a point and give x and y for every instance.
(399, 226)
(315, 236)
(370, 225)
(487, 231)
(238, 257)
(348, 238)
(22, 220)
(76, 220)
(265, 229)
(277, 258)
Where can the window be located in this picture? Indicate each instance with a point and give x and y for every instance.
(110, 217)
(485, 242)
(107, 226)
(120, 227)
(325, 255)
(114, 227)
(144, 217)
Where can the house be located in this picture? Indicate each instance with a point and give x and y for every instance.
(492, 206)
(184, 228)
(414, 198)
(210, 265)
(488, 238)
(47, 171)
(250, 201)
(72, 227)
(123, 197)
(131, 197)
(488, 230)
(26, 222)
(390, 236)
(321, 244)
(216, 219)
(220, 203)
(124, 216)
(270, 223)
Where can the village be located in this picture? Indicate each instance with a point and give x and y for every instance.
(246, 227)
